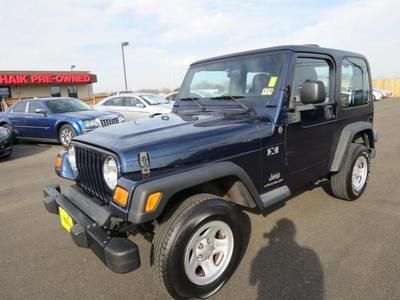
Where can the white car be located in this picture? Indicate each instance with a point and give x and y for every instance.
(135, 105)
(377, 95)
(385, 93)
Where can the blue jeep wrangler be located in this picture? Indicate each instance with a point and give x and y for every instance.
(247, 131)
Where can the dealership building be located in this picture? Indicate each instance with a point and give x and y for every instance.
(29, 84)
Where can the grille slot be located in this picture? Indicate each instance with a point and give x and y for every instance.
(90, 178)
(108, 122)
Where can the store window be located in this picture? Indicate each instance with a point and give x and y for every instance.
(72, 92)
(55, 91)
(5, 92)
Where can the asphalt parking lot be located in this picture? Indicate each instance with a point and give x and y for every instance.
(315, 247)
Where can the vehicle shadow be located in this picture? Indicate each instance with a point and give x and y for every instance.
(285, 270)
(23, 149)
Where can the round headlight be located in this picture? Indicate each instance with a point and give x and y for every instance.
(72, 157)
(110, 172)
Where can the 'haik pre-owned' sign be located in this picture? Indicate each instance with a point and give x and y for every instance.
(53, 78)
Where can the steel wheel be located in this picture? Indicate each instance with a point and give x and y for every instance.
(208, 252)
(360, 173)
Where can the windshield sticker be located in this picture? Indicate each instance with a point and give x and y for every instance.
(267, 91)
(272, 82)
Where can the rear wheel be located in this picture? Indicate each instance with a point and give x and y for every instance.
(350, 182)
(197, 248)
(66, 134)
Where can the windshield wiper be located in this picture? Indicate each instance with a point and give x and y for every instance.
(195, 101)
(234, 99)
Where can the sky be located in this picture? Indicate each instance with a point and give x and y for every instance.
(165, 36)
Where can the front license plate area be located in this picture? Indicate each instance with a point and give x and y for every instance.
(66, 220)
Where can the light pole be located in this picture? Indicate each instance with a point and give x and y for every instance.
(123, 44)
(73, 67)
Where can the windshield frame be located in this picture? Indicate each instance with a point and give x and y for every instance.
(252, 100)
(67, 99)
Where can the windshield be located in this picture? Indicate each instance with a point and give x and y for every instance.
(154, 99)
(59, 106)
(242, 76)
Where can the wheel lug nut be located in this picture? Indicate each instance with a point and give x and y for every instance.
(201, 246)
(209, 241)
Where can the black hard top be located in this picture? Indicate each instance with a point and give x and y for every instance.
(296, 48)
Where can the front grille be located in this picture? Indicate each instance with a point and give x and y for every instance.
(108, 122)
(90, 167)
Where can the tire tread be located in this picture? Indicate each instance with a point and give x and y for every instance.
(164, 231)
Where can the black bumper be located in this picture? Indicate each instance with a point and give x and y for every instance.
(119, 254)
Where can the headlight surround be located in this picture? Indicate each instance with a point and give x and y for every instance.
(91, 123)
(110, 172)
(121, 119)
(72, 158)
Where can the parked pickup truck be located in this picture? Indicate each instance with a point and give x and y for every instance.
(272, 122)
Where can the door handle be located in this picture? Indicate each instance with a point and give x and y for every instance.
(328, 112)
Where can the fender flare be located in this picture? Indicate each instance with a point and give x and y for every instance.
(170, 185)
(60, 123)
(346, 138)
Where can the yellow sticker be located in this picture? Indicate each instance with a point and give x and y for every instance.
(272, 82)
(66, 220)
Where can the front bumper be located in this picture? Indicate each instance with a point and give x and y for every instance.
(119, 254)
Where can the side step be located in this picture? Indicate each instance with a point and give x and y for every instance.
(274, 196)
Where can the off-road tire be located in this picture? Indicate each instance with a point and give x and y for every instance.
(341, 182)
(63, 128)
(174, 233)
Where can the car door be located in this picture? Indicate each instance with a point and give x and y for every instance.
(135, 108)
(310, 128)
(37, 124)
(17, 118)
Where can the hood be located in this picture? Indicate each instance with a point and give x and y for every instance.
(89, 114)
(177, 140)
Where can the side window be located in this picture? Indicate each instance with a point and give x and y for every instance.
(117, 101)
(19, 107)
(130, 101)
(310, 69)
(355, 88)
(33, 105)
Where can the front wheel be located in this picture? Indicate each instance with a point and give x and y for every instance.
(198, 247)
(66, 134)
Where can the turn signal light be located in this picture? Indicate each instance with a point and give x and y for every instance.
(152, 201)
(58, 162)
(121, 196)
